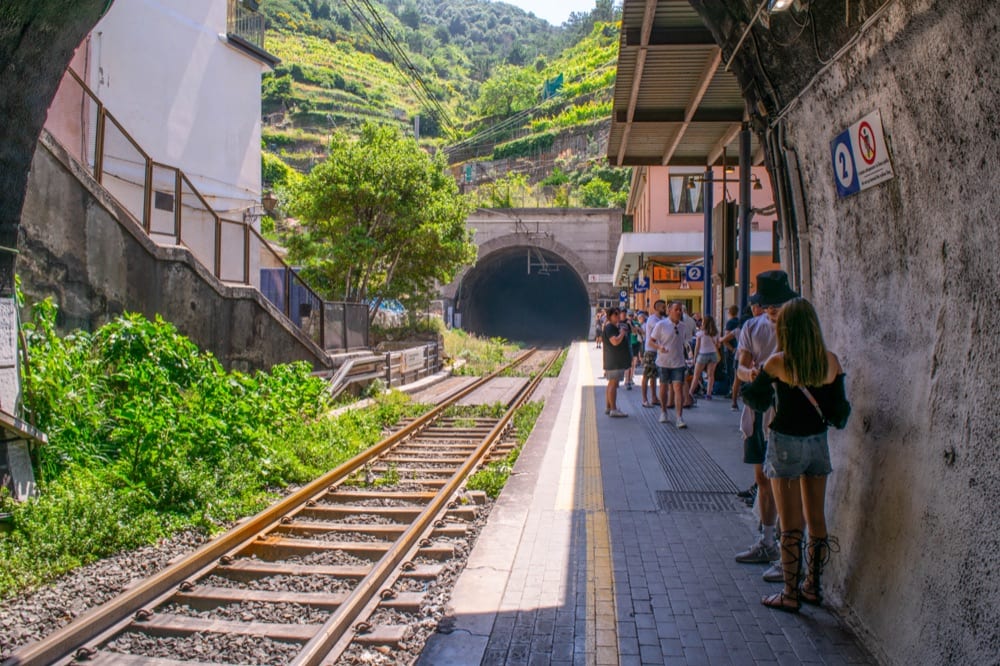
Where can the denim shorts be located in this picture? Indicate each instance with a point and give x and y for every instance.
(707, 359)
(792, 456)
(672, 375)
(615, 375)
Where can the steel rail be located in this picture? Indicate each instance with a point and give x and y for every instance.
(93, 623)
(317, 650)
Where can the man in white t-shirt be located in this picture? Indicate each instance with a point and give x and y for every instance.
(668, 339)
(649, 370)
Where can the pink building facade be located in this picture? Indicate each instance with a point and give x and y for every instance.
(667, 236)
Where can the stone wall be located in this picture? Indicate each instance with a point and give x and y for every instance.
(80, 247)
(905, 278)
(585, 238)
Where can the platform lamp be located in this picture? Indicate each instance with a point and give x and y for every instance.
(269, 202)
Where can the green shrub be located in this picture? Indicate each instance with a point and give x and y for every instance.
(147, 434)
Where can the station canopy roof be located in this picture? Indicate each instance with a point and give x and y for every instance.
(674, 103)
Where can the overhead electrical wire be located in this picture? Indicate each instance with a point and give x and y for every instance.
(380, 34)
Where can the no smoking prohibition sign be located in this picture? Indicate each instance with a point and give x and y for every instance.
(860, 156)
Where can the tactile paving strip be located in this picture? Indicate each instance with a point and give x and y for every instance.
(686, 462)
(668, 500)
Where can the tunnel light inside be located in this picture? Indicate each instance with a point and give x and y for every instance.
(778, 5)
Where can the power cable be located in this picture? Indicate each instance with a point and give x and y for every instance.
(381, 36)
(413, 71)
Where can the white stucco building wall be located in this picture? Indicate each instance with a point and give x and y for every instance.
(189, 96)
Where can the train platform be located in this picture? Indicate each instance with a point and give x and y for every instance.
(613, 543)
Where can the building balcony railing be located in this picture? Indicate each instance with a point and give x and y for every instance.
(245, 22)
(172, 211)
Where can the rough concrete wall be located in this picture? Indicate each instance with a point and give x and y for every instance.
(78, 246)
(906, 282)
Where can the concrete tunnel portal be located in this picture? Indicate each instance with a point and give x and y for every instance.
(525, 294)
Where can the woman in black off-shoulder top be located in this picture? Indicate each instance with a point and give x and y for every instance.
(805, 382)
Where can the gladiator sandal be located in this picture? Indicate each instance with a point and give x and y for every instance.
(818, 553)
(788, 599)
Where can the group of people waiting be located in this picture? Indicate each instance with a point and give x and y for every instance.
(792, 388)
(673, 350)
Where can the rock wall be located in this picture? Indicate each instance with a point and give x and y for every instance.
(905, 278)
(80, 247)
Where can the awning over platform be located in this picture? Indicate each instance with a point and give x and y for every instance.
(674, 103)
(637, 248)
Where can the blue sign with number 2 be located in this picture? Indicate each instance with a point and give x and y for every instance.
(844, 168)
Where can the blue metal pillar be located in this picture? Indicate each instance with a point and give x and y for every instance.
(744, 218)
(707, 194)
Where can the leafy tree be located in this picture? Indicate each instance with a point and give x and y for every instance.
(380, 219)
(410, 16)
(517, 55)
(556, 178)
(276, 90)
(596, 194)
(509, 90)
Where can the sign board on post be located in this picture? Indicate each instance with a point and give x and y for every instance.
(640, 286)
(860, 156)
(694, 273)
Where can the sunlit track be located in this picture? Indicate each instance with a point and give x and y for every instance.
(329, 569)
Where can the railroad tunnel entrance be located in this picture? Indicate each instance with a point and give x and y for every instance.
(525, 294)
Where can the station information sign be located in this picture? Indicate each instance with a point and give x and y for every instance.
(860, 156)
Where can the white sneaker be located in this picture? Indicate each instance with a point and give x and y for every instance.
(616, 413)
(663, 418)
(681, 425)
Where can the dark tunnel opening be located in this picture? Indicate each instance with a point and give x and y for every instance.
(527, 295)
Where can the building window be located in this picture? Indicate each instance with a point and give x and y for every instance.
(685, 193)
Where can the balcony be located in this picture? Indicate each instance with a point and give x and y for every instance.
(245, 30)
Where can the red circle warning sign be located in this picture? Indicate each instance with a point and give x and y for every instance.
(866, 142)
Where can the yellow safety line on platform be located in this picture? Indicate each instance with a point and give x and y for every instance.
(602, 618)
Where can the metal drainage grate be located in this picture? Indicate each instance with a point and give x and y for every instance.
(674, 500)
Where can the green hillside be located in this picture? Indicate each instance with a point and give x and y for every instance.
(473, 71)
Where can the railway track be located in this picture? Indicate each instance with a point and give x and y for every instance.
(328, 570)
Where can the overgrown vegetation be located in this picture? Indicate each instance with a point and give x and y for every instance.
(482, 355)
(149, 435)
(492, 479)
(558, 365)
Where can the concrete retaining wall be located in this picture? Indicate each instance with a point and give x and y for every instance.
(80, 247)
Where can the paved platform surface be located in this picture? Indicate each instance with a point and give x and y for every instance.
(613, 543)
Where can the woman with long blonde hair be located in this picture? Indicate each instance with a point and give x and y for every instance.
(806, 381)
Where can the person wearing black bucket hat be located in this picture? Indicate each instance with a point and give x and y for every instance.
(758, 340)
(773, 289)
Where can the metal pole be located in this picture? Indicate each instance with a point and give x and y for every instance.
(744, 218)
(707, 195)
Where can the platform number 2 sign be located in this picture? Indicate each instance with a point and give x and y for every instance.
(843, 164)
(861, 156)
